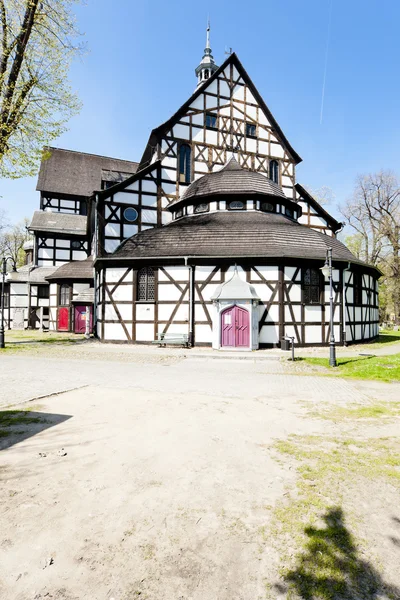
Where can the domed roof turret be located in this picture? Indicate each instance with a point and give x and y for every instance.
(232, 180)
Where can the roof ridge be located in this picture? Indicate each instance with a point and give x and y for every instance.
(136, 162)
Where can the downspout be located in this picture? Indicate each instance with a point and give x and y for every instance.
(95, 252)
(191, 302)
(348, 268)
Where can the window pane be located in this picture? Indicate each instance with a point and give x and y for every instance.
(236, 204)
(250, 129)
(314, 277)
(268, 207)
(307, 277)
(314, 294)
(211, 120)
(200, 208)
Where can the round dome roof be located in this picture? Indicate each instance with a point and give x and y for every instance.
(232, 180)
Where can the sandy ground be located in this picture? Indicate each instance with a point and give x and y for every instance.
(165, 486)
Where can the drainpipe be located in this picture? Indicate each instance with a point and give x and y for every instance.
(95, 247)
(344, 303)
(191, 302)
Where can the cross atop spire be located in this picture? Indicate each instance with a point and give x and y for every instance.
(207, 65)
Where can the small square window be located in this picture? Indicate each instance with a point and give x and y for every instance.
(211, 120)
(251, 130)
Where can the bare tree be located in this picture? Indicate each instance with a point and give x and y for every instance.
(12, 241)
(373, 212)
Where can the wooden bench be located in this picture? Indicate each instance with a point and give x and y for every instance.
(177, 339)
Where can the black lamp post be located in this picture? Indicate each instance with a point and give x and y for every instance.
(327, 271)
(3, 280)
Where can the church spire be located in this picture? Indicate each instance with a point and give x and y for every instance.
(207, 65)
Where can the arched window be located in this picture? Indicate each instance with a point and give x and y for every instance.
(206, 74)
(274, 171)
(311, 286)
(236, 205)
(146, 284)
(65, 295)
(185, 153)
(268, 207)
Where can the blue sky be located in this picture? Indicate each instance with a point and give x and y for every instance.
(140, 68)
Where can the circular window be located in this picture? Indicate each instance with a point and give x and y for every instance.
(130, 214)
(75, 245)
(268, 207)
(200, 208)
(236, 205)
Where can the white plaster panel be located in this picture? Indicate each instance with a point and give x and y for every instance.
(262, 118)
(166, 217)
(211, 137)
(199, 313)
(180, 273)
(286, 180)
(114, 331)
(62, 254)
(231, 270)
(149, 216)
(144, 332)
(277, 150)
(168, 292)
(145, 312)
(44, 253)
(110, 313)
(295, 293)
(209, 291)
(133, 186)
(125, 310)
(123, 292)
(169, 188)
(165, 311)
(317, 221)
(168, 174)
(238, 92)
(336, 313)
(203, 333)
(296, 313)
(63, 243)
(251, 111)
(313, 314)
(273, 313)
(203, 272)
(224, 89)
(198, 134)
(201, 166)
(149, 186)
(149, 201)
(313, 334)
(211, 103)
(169, 161)
(358, 332)
(262, 291)
(78, 255)
(112, 230)
(129, 230)
(182, 132)
(263, 147)
(269, 334)
(115, 274)
(270, 273)
(289, 272)
(251, 145)
(198, 119)
(124, 198)
(198, 104)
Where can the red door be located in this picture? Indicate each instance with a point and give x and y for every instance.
(235, 330)
(63, 319)
(81, 312)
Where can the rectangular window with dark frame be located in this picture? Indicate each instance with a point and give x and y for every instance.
(65, 295)
(211, 121)
(311, 286)
(357, 289)
(43, 291)
(251, 130)
(146, 285)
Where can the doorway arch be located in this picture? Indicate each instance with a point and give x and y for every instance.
(235, 327)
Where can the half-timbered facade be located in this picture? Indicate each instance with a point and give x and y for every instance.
(209, 235)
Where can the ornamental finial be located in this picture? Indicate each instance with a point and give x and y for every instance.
(207, 65)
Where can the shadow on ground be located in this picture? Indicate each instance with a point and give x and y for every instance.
(18, 425)
(330, 568)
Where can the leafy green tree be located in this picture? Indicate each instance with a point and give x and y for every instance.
(12, 242)
(38, 40)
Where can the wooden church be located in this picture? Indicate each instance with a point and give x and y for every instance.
(209, 236)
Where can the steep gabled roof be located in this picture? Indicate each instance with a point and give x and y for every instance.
(78, 173)
(155, 134)
(336, 225)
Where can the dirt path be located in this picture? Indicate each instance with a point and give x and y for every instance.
(158, 483)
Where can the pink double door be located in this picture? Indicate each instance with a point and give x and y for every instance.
(235, 328)
(81, 314)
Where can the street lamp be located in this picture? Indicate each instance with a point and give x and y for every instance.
(327, 272)
(3, 280)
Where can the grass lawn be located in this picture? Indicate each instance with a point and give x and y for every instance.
(386, 336)
(17, 341)
(379, 368)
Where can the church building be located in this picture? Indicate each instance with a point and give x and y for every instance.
(209, 236)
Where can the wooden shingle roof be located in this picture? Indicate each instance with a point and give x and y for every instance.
(78, 173)
(56, 222)
(233, 234)
(232, 179)
(76, 269)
